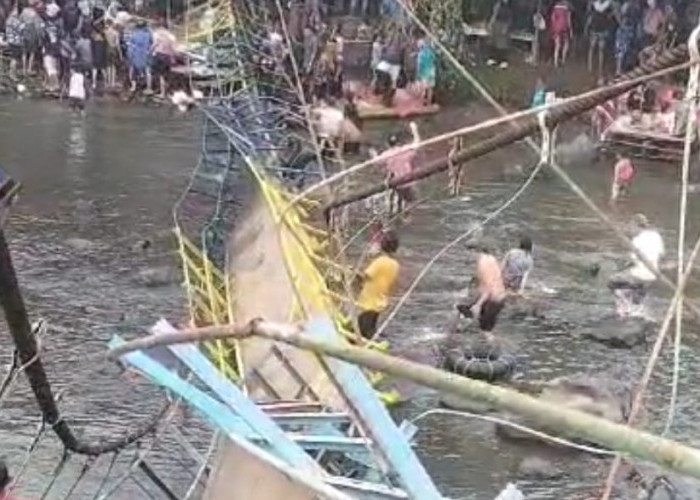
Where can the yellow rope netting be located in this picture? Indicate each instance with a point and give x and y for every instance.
(209, 298)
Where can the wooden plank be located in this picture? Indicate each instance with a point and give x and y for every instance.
(377, 422)
(238, 402)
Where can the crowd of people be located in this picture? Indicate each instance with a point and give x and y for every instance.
(104, 48)
(614, 30)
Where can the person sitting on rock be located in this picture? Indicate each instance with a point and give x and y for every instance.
(491, 293)
(517, 265)
(630, 286)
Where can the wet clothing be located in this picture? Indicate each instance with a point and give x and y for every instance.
(624, 38)
(379, 280)
(99, 46)
(560, 20)
(491, 291)
(601, 19)
(490, 309)
(516, 265)
(139, 48)
(13, 36)
(651, 245)
(33, 30)
(426, 65)
(53, 34)
(367, 323)
(398, 164)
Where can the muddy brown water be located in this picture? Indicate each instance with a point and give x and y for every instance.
(113, 177)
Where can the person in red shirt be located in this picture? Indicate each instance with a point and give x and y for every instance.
(623, 173)
(398, 163)
(560, 26)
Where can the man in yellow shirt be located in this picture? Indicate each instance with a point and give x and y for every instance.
(378, 282)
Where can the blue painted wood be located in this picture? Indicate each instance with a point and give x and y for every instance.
(218, 413)
(377, 421)
(234, 398)
(223, 418)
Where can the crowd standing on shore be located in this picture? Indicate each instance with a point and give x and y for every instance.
(111, 47)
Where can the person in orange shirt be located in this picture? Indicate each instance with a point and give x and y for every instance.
(491, 293)
(378, 281)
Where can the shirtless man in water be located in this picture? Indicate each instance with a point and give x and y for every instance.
(491, 294)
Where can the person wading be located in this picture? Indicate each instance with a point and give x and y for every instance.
(491, 294)
(631, 286)
(398, 164)
(623, 173)
(378, 281)
(517, 266)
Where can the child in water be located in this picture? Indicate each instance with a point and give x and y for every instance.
(76, 90)
(623, 173)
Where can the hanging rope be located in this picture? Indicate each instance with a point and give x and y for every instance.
(522, 428)
(638, 401)
(691, 97)
(56, 472)
(203, 467)
(105, 478)
(89, 462)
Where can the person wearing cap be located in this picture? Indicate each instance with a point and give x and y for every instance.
(630, 286)
(398, 164)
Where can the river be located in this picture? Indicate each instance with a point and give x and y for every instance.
(112, 178)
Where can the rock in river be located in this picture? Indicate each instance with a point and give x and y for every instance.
(158, 276)
(80, 244)
(534, 467)
(618, 333)
(601, 396)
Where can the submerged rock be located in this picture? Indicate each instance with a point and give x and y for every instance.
(158, 276)
(534, 467)
(601, 396)
(80, 244)
(619, 333)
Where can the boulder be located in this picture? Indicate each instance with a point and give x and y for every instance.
(158, 276)
(618, 333)
(535, 467)
(601, 396)
(80, 244)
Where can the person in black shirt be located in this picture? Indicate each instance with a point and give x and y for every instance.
(598, 27)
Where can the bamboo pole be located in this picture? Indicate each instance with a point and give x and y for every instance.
(624, 439)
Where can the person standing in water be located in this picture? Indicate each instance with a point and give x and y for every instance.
(631, 286)
(378, 281)
(623, 173)
(517, 266)
(491, 293)
(399, 164)
(76, 89)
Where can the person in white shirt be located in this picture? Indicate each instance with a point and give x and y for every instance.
(631, 285)
(76, 90)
